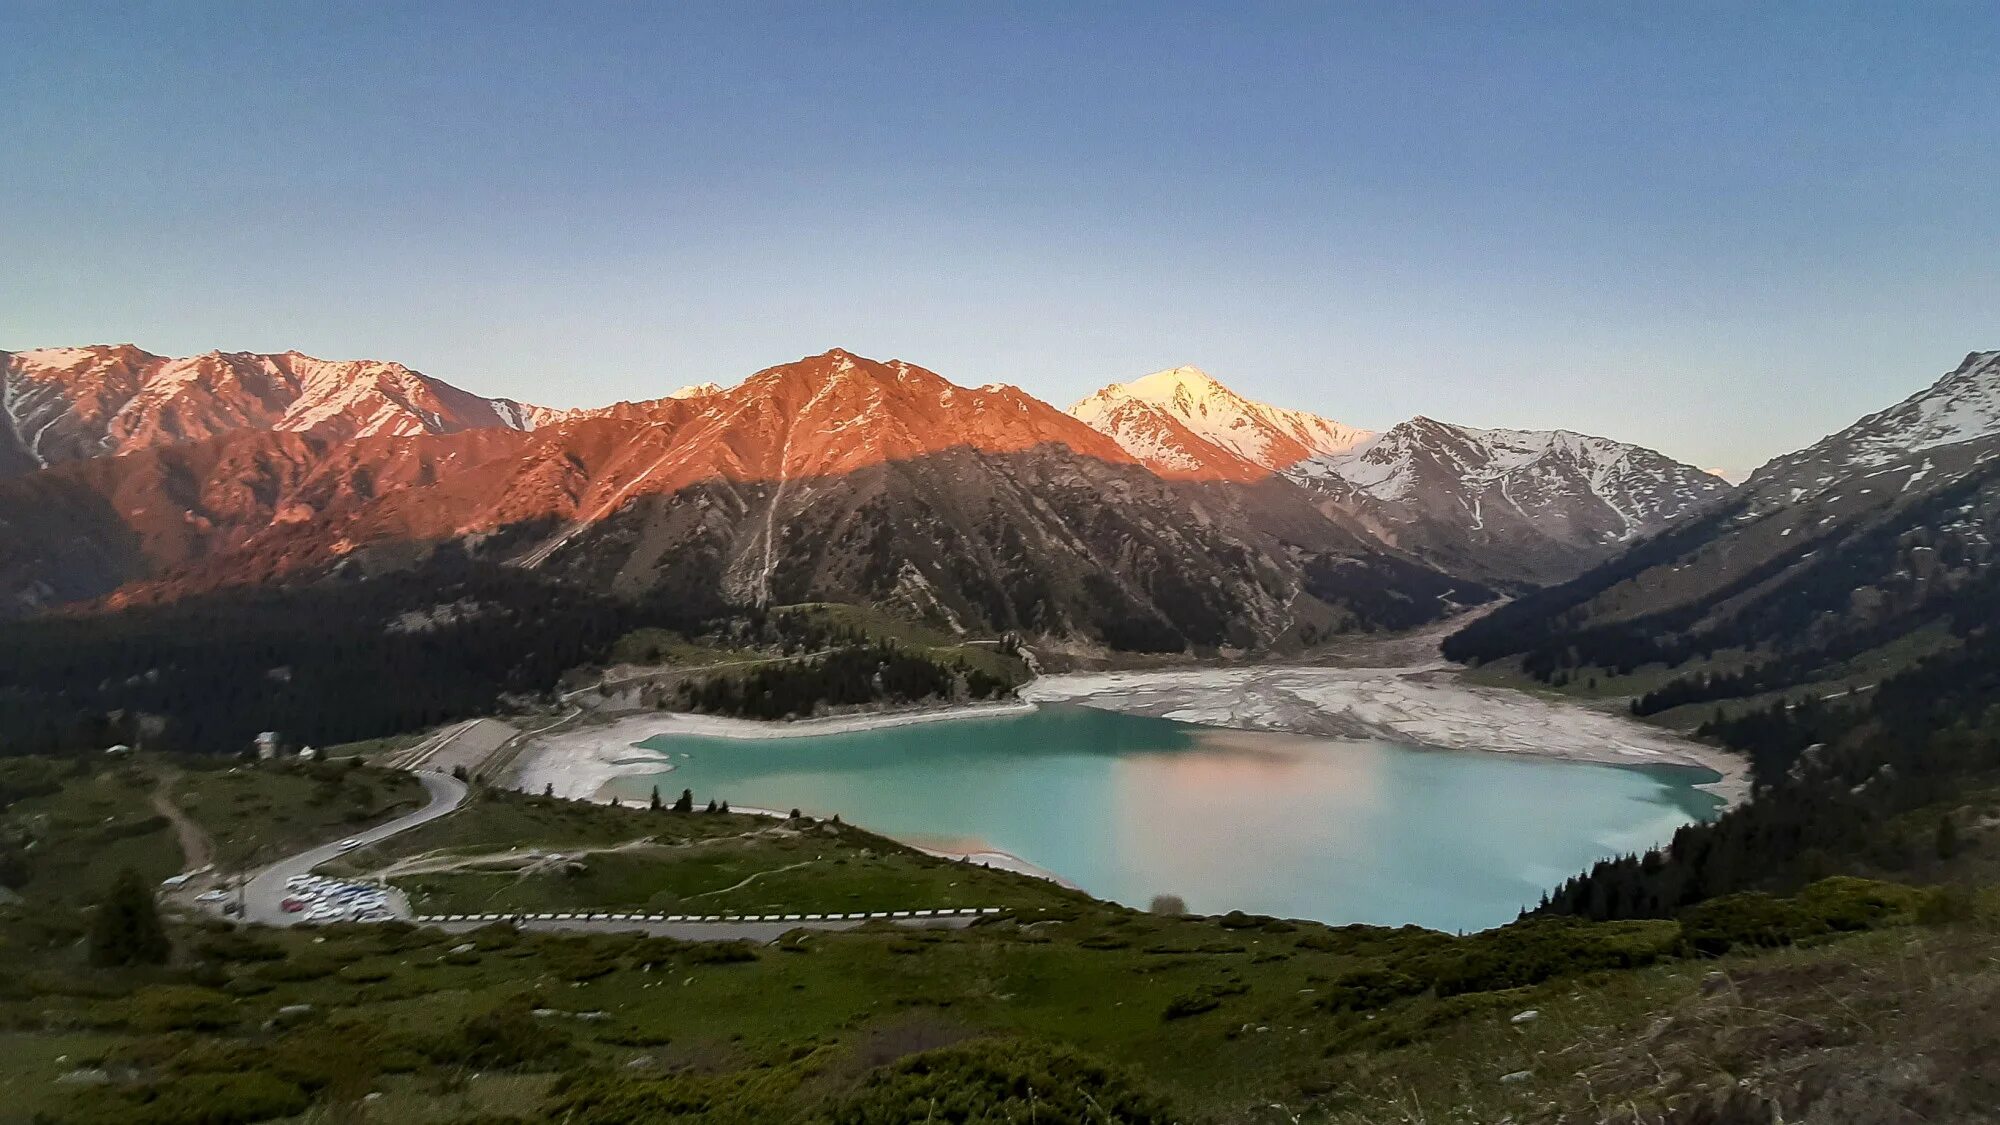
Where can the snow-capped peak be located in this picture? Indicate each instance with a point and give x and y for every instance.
(1270, 437)
(1960, 410)
(62, 404)
(696, 390)
(1424, 456)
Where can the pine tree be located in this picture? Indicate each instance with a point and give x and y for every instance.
(656, 798)
(549, 790)
(126, 929)
(686, 803)
(711, 804)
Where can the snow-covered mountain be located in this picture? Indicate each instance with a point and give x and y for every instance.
(1516, 506)
(834, 477)
(1930, 436)
(1867, 549)
(1177, 420)
(63, 404)
(1510, 505)
(696, 390)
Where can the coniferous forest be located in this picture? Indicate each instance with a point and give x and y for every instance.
(339, 661)
(1831, 778)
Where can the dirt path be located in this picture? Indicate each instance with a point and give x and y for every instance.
(535, 859)
(753, 877)
(197, 850)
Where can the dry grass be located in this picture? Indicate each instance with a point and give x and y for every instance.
(1900, 1026)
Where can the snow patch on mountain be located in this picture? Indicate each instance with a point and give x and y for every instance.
(1539, 467)
(1962, 409)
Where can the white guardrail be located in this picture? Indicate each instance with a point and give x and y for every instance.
(720, 918)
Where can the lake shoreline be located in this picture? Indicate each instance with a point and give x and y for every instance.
(579, 764)
(1423, 705)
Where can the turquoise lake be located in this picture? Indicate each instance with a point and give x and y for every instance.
(1129, 807)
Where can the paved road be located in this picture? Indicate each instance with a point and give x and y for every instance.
(266, 889)
(702, 931)
(265, 892)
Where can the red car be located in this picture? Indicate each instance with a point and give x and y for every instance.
(292, 906)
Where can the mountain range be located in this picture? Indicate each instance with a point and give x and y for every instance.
(1512, 507)
(1158, 514)
(1829, 569)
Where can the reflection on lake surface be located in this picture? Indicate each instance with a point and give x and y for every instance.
(1128, 807)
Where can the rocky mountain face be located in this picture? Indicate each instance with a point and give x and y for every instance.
(1515, 507)
(1519, 507)
(1859, 553)
(836, 477)
(59, 405)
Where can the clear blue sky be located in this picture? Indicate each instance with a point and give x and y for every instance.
(1718, 230)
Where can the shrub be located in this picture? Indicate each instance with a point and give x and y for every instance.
(1751, 918)
(1539, 949)
(170, 1007)
(720, 952)
(126, 928)
(236, 945)
(297, 968)
(993, 1081)
(195, 1099)
(503, 1038)
(1365, 990)
(1206, 998)
(1947, 906)
(1758, 920)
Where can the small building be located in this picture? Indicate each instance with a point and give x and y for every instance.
(307, 753)
(267, 745)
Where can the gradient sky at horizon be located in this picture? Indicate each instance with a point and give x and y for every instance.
(1718, 230)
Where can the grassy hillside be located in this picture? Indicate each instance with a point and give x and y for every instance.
(1856, 985)
(508, 851)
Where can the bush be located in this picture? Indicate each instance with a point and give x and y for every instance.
(236, 945)
(1539, 949)
(126, 930)
(504, 1038)
(989, 1082)
(171, 1007)
(297, 968)
(720, 952)
(579, 958)
(195, 1099)
(1206, 998)
(1368, 989)
(1757, 920)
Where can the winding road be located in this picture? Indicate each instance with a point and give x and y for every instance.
(265, 892)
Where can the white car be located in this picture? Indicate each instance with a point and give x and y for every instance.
(349, 845)
(211, 896)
